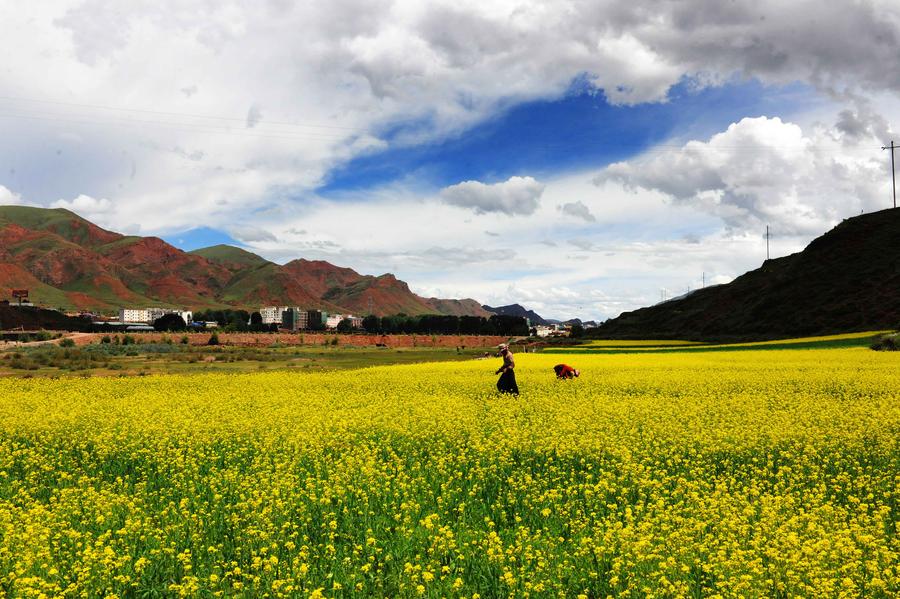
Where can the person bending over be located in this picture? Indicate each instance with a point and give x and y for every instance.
(564, 371)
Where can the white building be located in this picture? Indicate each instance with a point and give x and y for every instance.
(272, 314)
(154, 313)
(134, 315)
(334, 319)
(150, 315)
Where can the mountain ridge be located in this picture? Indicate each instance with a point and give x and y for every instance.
(66, 261)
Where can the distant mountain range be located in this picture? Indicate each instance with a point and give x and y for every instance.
(518, 310)
(846, 280)
(66, 261)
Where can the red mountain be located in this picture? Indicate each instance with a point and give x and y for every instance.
(67, 262)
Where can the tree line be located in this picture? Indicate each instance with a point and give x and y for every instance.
(441, 324)
(428, 324)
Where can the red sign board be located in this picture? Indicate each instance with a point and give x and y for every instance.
(20, 294)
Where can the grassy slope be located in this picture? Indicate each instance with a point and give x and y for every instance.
(228, 254)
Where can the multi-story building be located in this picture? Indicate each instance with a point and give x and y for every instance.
(150, 315)
(334, 319)
(295, 319)
(134, 315)
(272, 314)
(315, 320)
(154, 313)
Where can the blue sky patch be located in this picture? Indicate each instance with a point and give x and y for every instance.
(581, 130)
(200, 237)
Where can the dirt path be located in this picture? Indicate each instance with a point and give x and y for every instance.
(76, 337)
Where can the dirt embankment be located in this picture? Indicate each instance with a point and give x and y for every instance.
(268, 339)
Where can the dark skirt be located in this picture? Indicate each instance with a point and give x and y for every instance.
(507, 382)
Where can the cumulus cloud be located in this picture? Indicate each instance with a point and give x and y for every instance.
(515, 196)
(248, 234)
(578, 210)
(763, 171)
(86, 206)
(9, 197)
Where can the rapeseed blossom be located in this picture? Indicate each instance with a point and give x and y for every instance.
(752, 473)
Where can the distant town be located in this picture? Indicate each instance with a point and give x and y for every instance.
(297, 319)
(290, 318)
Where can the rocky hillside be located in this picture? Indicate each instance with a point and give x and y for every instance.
(66, 261)
(846, 280)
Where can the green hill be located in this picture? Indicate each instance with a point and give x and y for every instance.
(228, 254)
(846, 280)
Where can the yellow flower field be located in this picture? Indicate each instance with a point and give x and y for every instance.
(751, 473)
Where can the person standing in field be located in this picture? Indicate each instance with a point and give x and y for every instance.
(564, 371)
(507, 381)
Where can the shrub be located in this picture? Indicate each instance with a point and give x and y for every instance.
(67, 343)
(185, 340)
(127, 340)
(106, 339)
(213, 339)
(886, 343)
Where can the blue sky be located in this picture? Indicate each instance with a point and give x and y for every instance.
(199, 237)
(579, 131)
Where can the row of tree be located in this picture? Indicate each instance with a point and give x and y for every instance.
(428, 324)
(440, 324)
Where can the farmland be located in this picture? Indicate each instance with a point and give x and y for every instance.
(678, 472)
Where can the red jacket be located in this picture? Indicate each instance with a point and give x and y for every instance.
(564, 371)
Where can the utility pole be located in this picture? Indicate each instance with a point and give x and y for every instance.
(893, 174)
(703, 279)
(767, 242)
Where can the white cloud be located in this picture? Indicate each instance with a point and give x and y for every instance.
(94, 209)
(249, 234)
(515, 196)
(765, 171)
(578, 210)
(9, 197)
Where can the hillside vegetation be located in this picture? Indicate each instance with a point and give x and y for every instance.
(846, 280)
